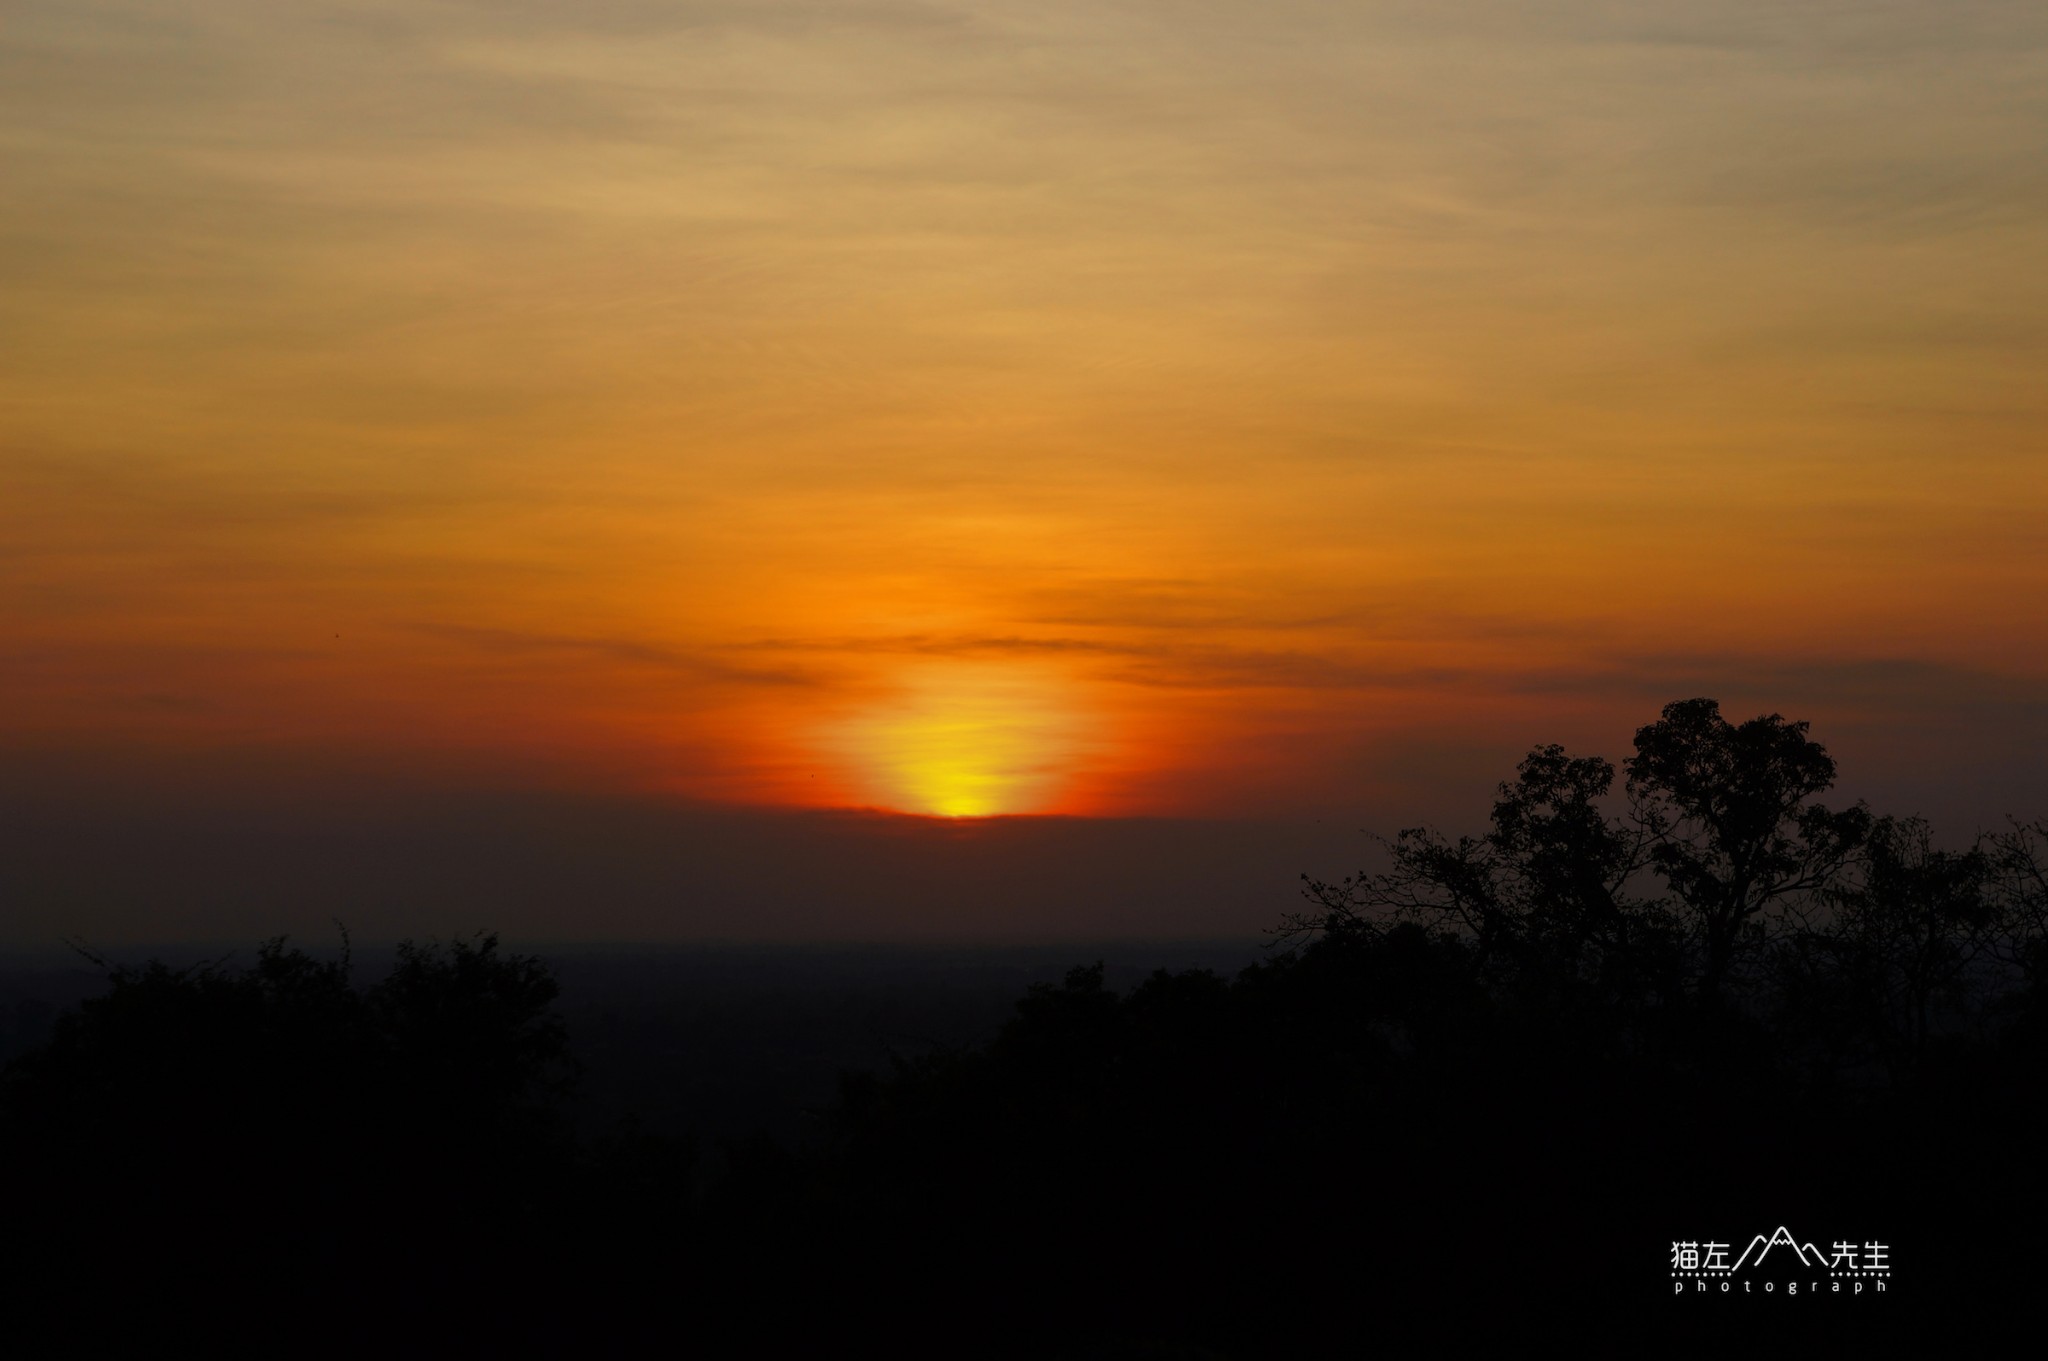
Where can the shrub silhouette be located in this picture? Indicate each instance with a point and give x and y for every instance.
(211, 1133)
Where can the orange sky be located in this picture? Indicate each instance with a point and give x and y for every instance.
(1016, 407)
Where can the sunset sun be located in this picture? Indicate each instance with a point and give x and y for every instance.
(963, 741)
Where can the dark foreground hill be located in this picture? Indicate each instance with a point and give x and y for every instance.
(1540, 1086)
(1346, 1142)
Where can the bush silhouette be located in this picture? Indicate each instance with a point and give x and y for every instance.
(258, 1133)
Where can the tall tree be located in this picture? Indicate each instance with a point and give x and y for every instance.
(1547, 898)
(1732, 828)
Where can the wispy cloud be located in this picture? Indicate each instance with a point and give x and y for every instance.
(699, 665)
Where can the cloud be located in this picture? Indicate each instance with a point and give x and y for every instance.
(705, 665)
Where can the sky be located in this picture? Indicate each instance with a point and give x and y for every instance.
(539, 418)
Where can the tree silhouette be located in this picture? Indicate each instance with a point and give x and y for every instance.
(1559, 899)
(2018, 859)
(1549, 899)
(1732, 831)
(1918, 919)
(276, 1127)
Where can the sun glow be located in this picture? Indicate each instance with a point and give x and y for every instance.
(965, 742)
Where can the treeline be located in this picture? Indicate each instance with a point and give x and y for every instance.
(1469, 1100)
(1717, 895)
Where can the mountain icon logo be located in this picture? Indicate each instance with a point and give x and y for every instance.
(1759, 1247)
